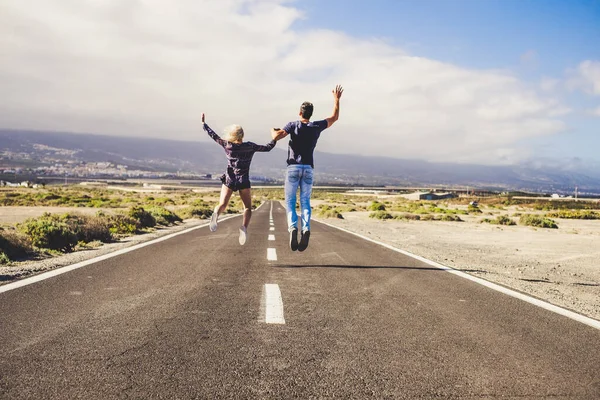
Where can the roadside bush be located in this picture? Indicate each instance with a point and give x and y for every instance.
(380, 215)
(123, 225)
(95, 229)
(64, 232)
(537, 221)
(574, 214)
(195, 212)
(332, 213)
(144, 218)
(473, 209)
(4, 258)
(408, 216)
(448, 217)
(162, 216)
(327, 211)
(14, 245)
(376, 206)
(500, 220)
(50, 232)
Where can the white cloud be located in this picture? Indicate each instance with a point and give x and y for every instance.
(549, 84)
(586, 77)
(595, 111)
(148, 68)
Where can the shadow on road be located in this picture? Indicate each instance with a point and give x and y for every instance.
(372, 267)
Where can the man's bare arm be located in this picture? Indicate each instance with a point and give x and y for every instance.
(278, 134)
(337, 94)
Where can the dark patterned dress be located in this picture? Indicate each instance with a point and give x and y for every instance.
(239, 157)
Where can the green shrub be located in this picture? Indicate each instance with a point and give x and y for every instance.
(331, 213)
(14, 245)
(121, 224)
(504, 220)
(537, 221)
(574, 214)
(500, 220)
(376, 206)
(144, 218)
(49, 231)
(95, 229)
(64, 232)
(162, 216)
(195, 212)
(408, 216)
(4, 258)
(473, 209)
(380, 215)
(448, 217)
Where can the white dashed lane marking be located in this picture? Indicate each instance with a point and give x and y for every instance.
(271, 254)
(273, 304)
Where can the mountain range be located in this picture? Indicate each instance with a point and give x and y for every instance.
(206, 157)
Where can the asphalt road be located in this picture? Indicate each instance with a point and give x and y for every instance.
(186, 318)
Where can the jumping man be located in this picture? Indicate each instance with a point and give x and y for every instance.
(304, 135)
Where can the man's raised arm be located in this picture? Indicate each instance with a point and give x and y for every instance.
(337, 94)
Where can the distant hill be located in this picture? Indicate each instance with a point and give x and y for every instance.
(206, 157)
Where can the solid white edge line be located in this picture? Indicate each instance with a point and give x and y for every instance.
(68, 268)
(531, 300)
(271, 254)
(273, 304)
(271, 237)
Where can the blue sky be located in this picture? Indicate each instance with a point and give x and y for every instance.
(531, 39)
(473, 33)
(478, 81)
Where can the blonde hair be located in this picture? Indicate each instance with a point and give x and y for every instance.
(234, 133)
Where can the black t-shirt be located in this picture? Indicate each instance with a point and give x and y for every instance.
(303, 140)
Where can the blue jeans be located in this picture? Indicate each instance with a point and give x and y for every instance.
(298, 175)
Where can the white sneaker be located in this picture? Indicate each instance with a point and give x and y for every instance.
(213, 222)
(243, 235)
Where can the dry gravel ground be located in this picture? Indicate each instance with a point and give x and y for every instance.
(10, 215)
(561, 266)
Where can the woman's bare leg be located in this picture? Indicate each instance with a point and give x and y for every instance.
(224, 201)
(246, 197)
(219, 208)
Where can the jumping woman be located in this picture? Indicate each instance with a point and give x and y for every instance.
(239, 156)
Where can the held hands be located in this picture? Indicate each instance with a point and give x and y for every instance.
(337, 92)
(275, 133)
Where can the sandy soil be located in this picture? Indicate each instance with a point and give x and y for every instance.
(10, 215)
(561, 266)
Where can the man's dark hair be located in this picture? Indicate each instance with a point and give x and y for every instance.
(306, 110)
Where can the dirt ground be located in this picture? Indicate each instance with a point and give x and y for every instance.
(10, 215)
(561, 266)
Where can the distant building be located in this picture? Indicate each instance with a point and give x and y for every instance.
(428, 196)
